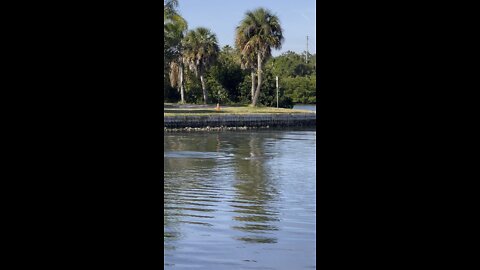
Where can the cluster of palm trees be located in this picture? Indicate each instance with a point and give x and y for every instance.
(198, 49)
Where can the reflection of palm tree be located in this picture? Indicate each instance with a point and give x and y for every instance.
(254, 194)
(194, 193)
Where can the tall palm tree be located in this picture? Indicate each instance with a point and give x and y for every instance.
(172, 22)
(257, 34)
(174, 57)
(200, 51)
(174, 27)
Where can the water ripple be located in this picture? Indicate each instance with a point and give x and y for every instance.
(240, 201)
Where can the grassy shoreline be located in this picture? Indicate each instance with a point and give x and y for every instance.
(170, 109)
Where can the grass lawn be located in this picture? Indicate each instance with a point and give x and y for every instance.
(170, 109)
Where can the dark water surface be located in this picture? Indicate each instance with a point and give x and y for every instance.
(240, 200)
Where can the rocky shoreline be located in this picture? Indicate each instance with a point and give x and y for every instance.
(237, 122)
(212, 129)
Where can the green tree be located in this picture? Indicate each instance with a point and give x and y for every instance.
(227, 75)
(247, 62)
(200, 51)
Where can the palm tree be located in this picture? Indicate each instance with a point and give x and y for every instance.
(200, 51)
(256, 35)
(170, 13)
(174, 60)
(173, 23)
(174, 27)
(169, 5)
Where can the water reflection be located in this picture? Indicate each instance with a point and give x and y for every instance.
(254, 192)
(225, 202)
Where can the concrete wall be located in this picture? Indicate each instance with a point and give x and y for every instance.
(257, 120)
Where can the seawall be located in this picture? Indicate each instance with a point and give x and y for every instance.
(241, 120)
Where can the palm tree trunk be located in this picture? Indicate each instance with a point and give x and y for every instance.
(253, 84)
(182, 90)
(259, 75)
(205, 94)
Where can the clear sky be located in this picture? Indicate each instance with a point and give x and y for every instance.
(297, 18)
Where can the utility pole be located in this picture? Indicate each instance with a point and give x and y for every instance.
(306, 54)
(277, 90)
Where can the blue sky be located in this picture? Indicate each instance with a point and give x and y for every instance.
(222, 16)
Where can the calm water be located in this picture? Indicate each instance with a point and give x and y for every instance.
(240, 200)
(305, 107)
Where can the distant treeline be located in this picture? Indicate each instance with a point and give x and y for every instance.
(228, 82)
